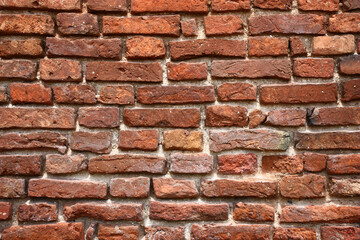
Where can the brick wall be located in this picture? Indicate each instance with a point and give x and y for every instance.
(179, 119)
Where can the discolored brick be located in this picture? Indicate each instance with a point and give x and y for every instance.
(60, 70)
(189, 28)
(74, 94)
(268, 46)
(196, 163)
(12, 188)
(146, 140)
(237, 164)
(281, 233)
(20, 165)
(327, 140)
(31, 47)
(96, 142)
(113, 232)
(223, 25)
(138, 187)
(38, 212)
(121, 95)
(273, 4)
(314, 67)
(99, 117)
(150, 6)
(306, 186)
(226, 116)
(26, 24)
(286, 117)
(227, 6)
(64, 164)
(186, 71)
(30, 93)
(183, 140)
(236, 92)
(174, 188)
(333, 45)
(343, 164)
(316, 5)
(145, 48)
(282, 164)
(18, 69)
(77, 24)
(344, 23)
(254, 212)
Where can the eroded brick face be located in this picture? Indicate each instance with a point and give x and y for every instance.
(179, 119)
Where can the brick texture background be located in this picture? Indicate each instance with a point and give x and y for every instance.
(179, 119)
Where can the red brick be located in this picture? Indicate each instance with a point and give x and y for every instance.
(18, 69)
(138, 187)
(320, 214)
(306, 186)
(297, 47)
(342, 232)
(351, 90)
(349, 5)
(89, 48)
(146, 140)
(50, 118)
(127, 163)
(350, 65)
(188, 211)
(314, 67)
(344, 164)
(12, 188)
(150, 6)
(124, 72)
(65, 164)
(344, 23)
(77, 24)
(99, 117)
(56, 231)
(254, 212)
(17, 48)
(344, 187)
(186, 71)
(174, 188)
(181, 50)
(120, 95)
(44, 4)
(60, 70)
(298, 93)
(189, 28)
(145, 48)
(327, 140)
(149, 25)
(67, 189)
(268, 46)
(175, 94)
(75, 94)
(333, 45)
(30, 93)
(227, 6)
(335, 116)
(183, 140)
(113, 232)
(287, 24)
(165, 233)
(314, 162)
(3, 95)
(26, 24)
(244, 139)
(237, 164)
(204, 232)
(281, 233)
(5, 211)
(20, 165)
(282, 164)
(107, 5)
(256, 117)
(286, 117)
(223, 25)
(105, 212)
(236, 92)
(316, 5)
(273, 4)
(38, 212)
(226, 116)
(239, 188)
(255, 68)
(96, 142)
(162, 117)
(198, 163)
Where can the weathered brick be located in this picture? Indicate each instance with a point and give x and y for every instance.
(237, 164)
(12, 188)
(314, 67)
(226, 6)
(268, 46)
(64, 164)
(320, 214)
(50, 118)
(199, 163)
(223, 25)
(38, 212)
(145, 48)
(327, 140)
(77, 24)
(75, 94)
(56, 231)
(335, 116)
(127, 164)
(96, 142)
(342, 232)
(189, 28)
(186, 71)
(297, 47)
(3, 95)
(105, 212)
(139, 6)
(344, 23)
(344, 187)
(99, 117)
(60, 70)
(314, 162)
(181, 50)
(298, 93)
(236, 92)
(43, 4)
(351, 90)
(281, 233)
(350, 65)
(306, 186)
(146, 140)
(183, 140)
(165, 233)
(249, 139)
(282, 164)
(19, 69)
(89, 48)
(174, 188)
(138, 187)
(149, 25)
(239, 188)
(162, 117)
(107, 5)
(5, 211)
(26, 24)
(287, 24)
(286, 117)
(273, 4)
(254, 212)
(204, 232)
(226, 116)
(316, 5)
(256, 117)
(17, 48)
(344, 164)
(124, 72)
(67, 189)
(30, 93)
(254, 68)
(112, 232)
(120, 95)
(20, 165)
(188, 211)
(333, 45)
(349, 5)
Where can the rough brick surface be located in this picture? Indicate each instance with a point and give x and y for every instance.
(39, 212)
(254, 212)
(130, 187)
(27, 24)
(16, 48)
(223, 25)
(30, 93)
(20, 165)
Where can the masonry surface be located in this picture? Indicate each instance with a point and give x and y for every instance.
(179, 120)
